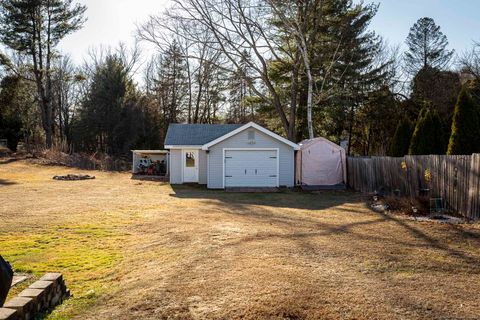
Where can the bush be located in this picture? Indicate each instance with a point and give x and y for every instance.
(10, 129)
(465, 136)
(82, 160)
(428, 136)
(401, 140)
(405, 205)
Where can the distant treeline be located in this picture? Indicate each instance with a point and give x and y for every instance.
(300, 68)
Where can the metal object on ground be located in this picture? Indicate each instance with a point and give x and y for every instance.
(436, 206)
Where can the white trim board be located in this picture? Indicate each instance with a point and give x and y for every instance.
(250, 149)
(182, 147)
(310, 142)
(247, 126)
(150, 151)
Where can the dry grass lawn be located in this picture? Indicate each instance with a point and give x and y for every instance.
(144, 250)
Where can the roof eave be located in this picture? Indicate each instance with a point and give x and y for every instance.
(150, 151)
(246, 126)
(183, 146)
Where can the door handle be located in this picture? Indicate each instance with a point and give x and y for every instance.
(255, 171)
(245, 171)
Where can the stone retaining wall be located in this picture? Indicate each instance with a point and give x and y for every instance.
(39, 297)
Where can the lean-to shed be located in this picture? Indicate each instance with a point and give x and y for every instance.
(320, 162)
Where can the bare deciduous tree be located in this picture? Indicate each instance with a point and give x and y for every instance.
(203, 60)
(241, 32)
(295, 17)
(470, 61)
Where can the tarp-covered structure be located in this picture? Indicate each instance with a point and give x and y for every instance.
(320, 162)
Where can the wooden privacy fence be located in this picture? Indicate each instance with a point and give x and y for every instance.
(456, 179)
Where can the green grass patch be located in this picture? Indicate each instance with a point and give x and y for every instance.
(86, 254)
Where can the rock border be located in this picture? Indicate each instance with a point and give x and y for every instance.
(74, 177)
(42, 295)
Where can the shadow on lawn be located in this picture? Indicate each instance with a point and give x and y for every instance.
(303, 227)
(287, 198)
(4, 182)
(389, 242)
(439, 244)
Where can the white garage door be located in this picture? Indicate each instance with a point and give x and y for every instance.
(251, 168)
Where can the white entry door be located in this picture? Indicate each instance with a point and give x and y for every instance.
(251, 168)
(190, 165)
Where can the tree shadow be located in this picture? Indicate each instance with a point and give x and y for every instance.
(286, 198)
(4, 182)
(438, 244)
(313, 236)
(304, 227)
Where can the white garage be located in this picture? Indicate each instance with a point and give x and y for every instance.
(230, 156)
(251, 167)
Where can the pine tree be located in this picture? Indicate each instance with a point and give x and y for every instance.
(359, 70)
(465, 136)
(240, 111)
(35, 28)
(427, 137)
(401, 140)
(439, 145)
(18, 112)
(104, 108)
(440, 90)
(340, 32)
(171, 88)
(427, 47)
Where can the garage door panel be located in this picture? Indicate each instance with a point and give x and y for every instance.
(248, 168)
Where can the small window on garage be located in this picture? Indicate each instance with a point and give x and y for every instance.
(251, 135)
(190, 159)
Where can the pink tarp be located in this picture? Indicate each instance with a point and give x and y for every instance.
(320, 162)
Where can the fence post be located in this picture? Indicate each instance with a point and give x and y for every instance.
(473, 207)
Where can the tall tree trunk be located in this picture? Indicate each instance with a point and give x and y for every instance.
(46, 113)
(189, 77)
(199, 97)
(49, 136)
(292, 134)
(48, 78)
(310, 104)
(302, 46)
(350, 129)
(42, 75)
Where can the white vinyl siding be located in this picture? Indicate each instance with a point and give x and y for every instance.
(176, 164)
(202, 167)
(251, 168)
(240, 140)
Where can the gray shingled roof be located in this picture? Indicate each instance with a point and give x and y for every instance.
(196, 134)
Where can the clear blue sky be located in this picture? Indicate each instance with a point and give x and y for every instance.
(111, 21)
(459, 19)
